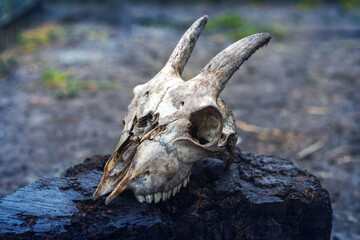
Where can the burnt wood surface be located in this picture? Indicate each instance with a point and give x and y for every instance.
(257, 198)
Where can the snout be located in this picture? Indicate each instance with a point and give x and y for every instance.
(154, 173)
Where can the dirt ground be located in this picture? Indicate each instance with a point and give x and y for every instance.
(297, 98)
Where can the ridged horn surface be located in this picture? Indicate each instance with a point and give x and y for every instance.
(185, 46)
(220, 69)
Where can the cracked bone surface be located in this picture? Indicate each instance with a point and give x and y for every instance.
(172, 123)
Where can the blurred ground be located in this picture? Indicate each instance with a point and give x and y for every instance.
(298, 98)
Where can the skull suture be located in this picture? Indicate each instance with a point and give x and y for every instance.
(172, 123)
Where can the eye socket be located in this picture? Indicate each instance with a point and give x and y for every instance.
(206, 124)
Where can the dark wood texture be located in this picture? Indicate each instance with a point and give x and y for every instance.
(257, 198)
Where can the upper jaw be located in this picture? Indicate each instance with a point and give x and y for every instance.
(162, 195)
(152, 174)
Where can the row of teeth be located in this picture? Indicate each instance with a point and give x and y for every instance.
(164, 195)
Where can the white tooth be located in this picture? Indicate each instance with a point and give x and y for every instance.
(164, 196)
(157, 197)
(149, 198)
(185, 182)
(169, 193)
(178, 188)
(140, 198)
(174, 191)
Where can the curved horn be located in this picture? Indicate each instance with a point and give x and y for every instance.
(220, 69)
(183, 49)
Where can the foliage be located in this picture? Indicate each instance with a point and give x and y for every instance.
(64, 84)
(40, 36)
(310, 4)
(349, 4)
(236, 27)
(59, 82)
(344, 4)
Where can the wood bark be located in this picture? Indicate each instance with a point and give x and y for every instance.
(257, 198)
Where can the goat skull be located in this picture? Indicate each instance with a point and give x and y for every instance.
(172, 123)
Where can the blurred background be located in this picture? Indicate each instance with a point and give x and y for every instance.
(67, 70)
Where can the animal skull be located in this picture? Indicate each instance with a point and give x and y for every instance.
(172, 123)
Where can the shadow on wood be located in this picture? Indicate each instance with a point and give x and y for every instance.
(257, 198)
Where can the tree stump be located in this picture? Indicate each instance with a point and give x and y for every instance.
(259, 197)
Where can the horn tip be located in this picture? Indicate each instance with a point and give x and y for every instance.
(258, 39)
(202, 21)
(265, 37)
(205, 17)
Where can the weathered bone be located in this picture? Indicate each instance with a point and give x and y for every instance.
(171, 123)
